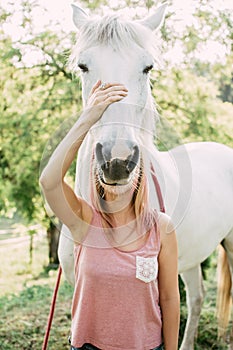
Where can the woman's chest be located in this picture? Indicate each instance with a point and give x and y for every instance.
(112, 265)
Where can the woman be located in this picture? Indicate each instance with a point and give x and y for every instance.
(126, 296)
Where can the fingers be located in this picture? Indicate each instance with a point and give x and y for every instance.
(106, 93)
(95, 87)
(101, 96)
(99, 86)
(117, 91)
(112, 89)
(114, 95)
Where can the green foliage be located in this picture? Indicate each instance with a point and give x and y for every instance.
(35, 100)
(191, 110)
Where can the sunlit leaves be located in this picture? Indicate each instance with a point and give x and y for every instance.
(191, 105)
(36, 98)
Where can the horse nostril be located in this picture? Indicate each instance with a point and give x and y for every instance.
(105, 166)
(128, 169)
(99, 153)
(133, 159)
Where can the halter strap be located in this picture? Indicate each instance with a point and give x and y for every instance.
(158, 189)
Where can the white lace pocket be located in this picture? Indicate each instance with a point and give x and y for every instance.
(146, 268)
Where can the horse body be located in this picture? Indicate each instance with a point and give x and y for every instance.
(209, 216)
(196, 179)
(198, 196)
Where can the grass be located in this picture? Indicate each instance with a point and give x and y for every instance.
(25, 297)
(207, 330)
(25, 317)
(26, 293)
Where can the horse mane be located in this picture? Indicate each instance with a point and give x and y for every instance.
(111, 30)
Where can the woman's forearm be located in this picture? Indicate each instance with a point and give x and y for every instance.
(65, 152)
(171, 319)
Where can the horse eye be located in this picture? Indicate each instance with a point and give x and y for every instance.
(83, 67)
(147, 69)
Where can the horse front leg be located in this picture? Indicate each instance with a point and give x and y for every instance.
(193, 281)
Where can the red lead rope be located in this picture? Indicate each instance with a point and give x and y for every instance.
(52, 307)
(51, 312)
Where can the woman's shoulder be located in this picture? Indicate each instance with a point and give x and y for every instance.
(165, 224)
(168, 238)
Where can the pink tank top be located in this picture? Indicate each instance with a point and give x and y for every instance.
(116, 299)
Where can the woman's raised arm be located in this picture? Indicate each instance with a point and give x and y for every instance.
(60, 196)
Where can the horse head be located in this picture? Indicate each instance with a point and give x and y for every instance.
(114, 50)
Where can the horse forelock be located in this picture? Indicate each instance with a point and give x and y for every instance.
(117, 33)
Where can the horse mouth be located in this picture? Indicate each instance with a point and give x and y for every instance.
(119, 186)
(112, 183)
(108, 182)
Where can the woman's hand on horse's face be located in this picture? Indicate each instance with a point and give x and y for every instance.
(102, 95)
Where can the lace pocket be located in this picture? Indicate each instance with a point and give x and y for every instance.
(146, 268)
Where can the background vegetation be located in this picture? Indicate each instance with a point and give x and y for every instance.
(38, 93)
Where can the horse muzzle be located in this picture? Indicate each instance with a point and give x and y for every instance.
(117, 170)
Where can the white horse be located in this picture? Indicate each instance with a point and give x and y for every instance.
(196, 179)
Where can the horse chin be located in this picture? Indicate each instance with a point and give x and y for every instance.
(116, 187)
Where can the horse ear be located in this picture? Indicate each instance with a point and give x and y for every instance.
(154, 21)
(80, 17)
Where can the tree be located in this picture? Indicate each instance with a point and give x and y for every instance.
(36, 98)
(191, 111)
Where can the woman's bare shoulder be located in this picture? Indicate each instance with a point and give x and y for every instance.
(168, 237)
(165, 224)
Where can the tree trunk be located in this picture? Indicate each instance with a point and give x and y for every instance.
(53, 234)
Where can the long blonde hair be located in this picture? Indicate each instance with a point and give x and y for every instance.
(140, 198)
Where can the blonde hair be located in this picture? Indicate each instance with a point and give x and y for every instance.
(144, 214)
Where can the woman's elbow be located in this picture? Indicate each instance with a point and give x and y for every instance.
(45, 181)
